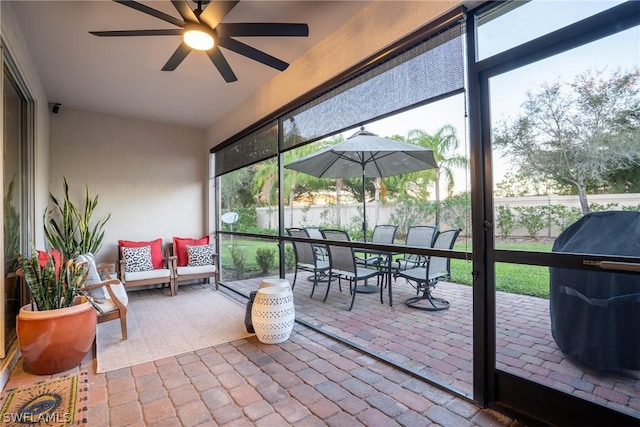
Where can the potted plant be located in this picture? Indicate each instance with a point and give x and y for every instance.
(55, 331)
(69, 230)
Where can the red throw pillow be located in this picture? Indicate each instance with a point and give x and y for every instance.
(156, 249)
(180, 248)
(43, 258)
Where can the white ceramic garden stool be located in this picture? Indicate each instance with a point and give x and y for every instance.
(273, 314)
(282, 283)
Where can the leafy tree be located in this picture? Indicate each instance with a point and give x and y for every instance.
(524, 184)
(235, 190)
(577, 133)
(444, 144)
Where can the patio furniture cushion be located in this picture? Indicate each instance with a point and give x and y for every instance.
(156, 249)
(108, 305)
(137, 259)
(43, 258)
(158, 273)
(200, 255)
(200, 269)
(180, 248)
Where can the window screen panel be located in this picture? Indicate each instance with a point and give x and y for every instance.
(252, 148)
(429, 70)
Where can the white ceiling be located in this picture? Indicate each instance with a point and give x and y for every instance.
(122, 75)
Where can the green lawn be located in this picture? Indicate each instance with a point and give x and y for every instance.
(513, 278)
(248, 248)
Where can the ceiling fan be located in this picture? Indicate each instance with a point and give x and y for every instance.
(202, 29)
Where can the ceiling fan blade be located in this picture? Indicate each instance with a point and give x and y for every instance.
(178, 56)
(221, 64)
(134, 33)
(215, 12)
(185, 11)
(150, 11)
(250, 52)
(262, 30)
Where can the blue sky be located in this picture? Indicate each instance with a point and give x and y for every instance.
(508, 91)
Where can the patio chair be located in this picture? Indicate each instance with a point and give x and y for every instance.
(344, 266)
(418, 236)
(107, 293)
(138, 268)
(425, 278)
(192, 267)
(320, 250)
(382, 234)
(307, 259)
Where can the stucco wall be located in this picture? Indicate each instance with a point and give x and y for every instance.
(150, 176)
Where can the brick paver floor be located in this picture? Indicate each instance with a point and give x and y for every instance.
(313, 379)
(438, 345)
(309, 380)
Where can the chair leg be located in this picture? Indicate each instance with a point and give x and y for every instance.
(326, 294)
(353, 293)
(295, 276)
(436, 304)
(313, 287)
(123, 325)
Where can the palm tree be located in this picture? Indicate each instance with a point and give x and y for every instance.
(265, 183)
(444, 144)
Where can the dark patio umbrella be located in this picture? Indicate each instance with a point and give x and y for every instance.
(365, 155)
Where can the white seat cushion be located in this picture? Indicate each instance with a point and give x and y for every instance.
(183, 271)
(151, 274)
(120, 293)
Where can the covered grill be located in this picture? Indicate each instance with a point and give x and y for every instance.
(595, 315)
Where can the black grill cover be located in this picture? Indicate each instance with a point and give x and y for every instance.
(595, 315)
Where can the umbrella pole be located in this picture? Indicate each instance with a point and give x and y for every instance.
(364, 206)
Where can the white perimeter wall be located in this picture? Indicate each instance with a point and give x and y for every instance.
(302, 216)
(150, 176)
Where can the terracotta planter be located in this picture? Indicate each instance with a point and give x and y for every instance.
(55, 341)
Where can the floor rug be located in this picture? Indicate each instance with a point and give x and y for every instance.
(161, 326)
(57, 402)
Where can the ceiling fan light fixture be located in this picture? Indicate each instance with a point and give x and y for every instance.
(198, 37)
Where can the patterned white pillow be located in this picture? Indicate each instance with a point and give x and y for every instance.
(200, 255)
(137, 259)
